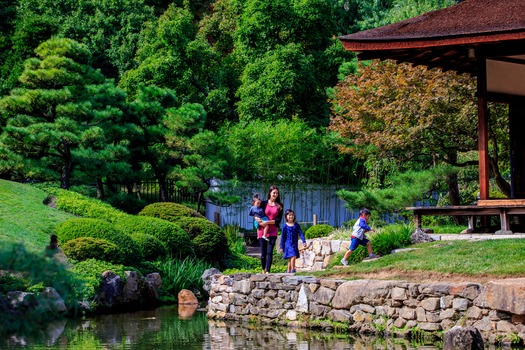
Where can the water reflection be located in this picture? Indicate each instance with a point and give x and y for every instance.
(185, 328)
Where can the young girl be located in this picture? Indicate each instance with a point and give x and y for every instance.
(291, 232)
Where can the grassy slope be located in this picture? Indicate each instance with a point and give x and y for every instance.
(24, 218)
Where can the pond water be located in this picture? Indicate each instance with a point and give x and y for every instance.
(171, 328)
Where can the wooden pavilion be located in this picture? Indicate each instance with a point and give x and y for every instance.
(483, 38)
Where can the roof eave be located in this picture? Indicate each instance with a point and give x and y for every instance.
(361, 45)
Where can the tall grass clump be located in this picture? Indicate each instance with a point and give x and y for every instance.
(180, 274)
(391, 237)
(236, 242)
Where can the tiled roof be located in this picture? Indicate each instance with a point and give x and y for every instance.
(451, 38)
(468, 18)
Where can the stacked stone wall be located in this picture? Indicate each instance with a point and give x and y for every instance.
(496, 309)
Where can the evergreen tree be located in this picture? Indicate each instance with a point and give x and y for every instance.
(63, 109)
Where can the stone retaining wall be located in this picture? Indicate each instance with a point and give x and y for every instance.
(496, 309)
(317, 254)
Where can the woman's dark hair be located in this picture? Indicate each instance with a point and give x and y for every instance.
(273, 187)
(288, 211)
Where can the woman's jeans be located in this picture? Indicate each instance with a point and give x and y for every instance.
(267, 252)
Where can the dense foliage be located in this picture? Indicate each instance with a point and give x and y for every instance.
(208, 238)
(168, 211)
(176, 240)
(84, 248)
(127, 251)
(176, 74)
(321, 230)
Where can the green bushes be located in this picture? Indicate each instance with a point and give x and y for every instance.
(86, 207)
(84, 248)
(128, 252)
(89, 272)
(152, 248)
(391, 237)
(208, 239)
(174, 238)
(169, 211)
(321, 230)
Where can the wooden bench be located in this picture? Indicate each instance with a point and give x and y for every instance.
(503, 208)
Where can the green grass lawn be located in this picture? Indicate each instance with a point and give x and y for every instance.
(499, 258)
(24, 218)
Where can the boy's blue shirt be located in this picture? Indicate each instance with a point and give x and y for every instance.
(360, 227)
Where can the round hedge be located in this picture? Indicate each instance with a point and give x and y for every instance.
(169, 211)
(96, 228)
(152, 248)
(84, 248)
(175, 238)
(321, 230)
(208, 238)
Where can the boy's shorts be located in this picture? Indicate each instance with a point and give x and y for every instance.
(356, 242)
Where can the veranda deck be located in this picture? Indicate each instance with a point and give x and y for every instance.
(503, 208)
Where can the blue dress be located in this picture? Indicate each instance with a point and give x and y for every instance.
(290, 240)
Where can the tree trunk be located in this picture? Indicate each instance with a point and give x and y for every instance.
(453, 189)
(163, 189)
(100, 188)
(67, 168)
(502, 184)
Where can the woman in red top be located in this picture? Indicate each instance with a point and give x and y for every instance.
(273, 209)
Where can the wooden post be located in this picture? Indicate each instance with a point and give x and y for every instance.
(417, 219)
(483, 149)
(483, 129)
(217, 218)
(315, 219)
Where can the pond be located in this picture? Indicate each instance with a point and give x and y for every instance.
(171, 328)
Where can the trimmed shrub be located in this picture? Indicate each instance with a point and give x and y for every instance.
(84, 248)
(86, 207)
(152, 248)
(169, 211)
(175, 238)
(87, 227)
(316, 231)
(208, 238)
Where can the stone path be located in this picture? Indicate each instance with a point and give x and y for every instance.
(474, 236)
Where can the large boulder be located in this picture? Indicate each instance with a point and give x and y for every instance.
(136, 291)
(186, 297)
(207, 277)
(420, 236)
(463, 338)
